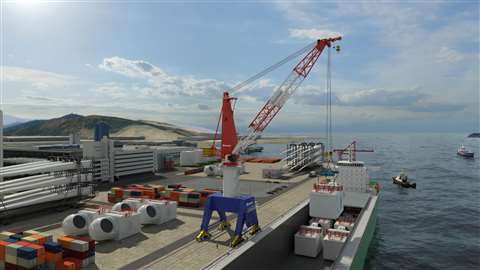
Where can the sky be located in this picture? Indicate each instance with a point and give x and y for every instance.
(403, 66)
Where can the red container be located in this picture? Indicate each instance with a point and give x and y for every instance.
(76, 262)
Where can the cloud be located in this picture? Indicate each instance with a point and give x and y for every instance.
(447, 55)
(38, 78)
(406, 100)
(41, 98)
(312, 33)
(203, 107)
(111, 89)
(381, 97)
(293, 11)
(159, 83)
(130, 68)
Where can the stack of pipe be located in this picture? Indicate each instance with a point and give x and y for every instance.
(42, 188)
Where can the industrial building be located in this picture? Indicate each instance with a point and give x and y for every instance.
(110, 162)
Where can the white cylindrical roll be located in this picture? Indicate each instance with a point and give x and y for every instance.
(123, 206)
(103, 228)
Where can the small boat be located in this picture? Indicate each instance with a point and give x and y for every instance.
(402, 180)
(462, 151)
(252, 149)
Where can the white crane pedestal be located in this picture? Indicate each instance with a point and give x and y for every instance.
(231, 174)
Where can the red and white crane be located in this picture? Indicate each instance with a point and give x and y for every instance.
(229, 201)
(282, 94)
(266, 114)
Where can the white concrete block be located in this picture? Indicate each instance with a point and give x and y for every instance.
(308, 241)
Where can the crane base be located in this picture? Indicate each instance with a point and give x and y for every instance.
(243, 206)
(202, 235)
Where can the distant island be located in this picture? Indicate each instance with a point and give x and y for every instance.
(84, 125)
(474, 135)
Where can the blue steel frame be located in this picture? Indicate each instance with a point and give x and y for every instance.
(243, 206)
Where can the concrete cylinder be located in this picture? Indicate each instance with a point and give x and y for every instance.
(231, 180)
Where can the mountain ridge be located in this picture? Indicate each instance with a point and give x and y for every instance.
(73, 123)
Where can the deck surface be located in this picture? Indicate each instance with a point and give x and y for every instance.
(172, 245)
(194, 255)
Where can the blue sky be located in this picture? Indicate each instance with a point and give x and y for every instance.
(411, 66)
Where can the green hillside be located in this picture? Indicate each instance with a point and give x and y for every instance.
(85, 125)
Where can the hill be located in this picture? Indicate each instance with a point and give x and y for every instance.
(72, 123)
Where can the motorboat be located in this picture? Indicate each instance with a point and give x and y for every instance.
(463, 152)
(402, 180)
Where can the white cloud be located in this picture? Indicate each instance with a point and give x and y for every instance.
(38, 78)
(40, 85)
(130, 68)
(41, 98)
(381, 97)
(111, 89)
(203, 107)
(312, 33)
(159, 83)
(293, 11)
(447, 55)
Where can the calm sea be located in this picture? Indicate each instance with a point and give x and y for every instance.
(436, 226)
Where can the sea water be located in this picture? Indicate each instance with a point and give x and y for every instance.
(437, 225)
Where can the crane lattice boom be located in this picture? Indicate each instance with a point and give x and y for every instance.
(283, 93)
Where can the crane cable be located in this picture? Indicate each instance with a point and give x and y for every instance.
(328, 107)
(236, 88)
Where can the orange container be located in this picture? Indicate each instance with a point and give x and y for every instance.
(65, 241)
(41, 239)
(53, 257)
(3, 245)
(68, 265)
(118, 192)
(149, 193)
(174, 195)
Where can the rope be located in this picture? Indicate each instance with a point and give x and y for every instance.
(328, 107)
(236, 89)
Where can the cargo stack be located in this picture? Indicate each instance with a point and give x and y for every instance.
(117, 194)
(53, 256)
(189, 199)
(185, 196)
(35, 237)
(79, 251)
(36, 250)
(16, 254)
